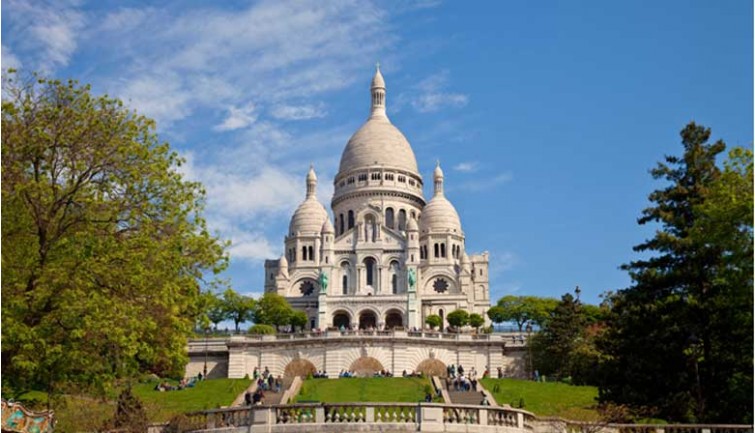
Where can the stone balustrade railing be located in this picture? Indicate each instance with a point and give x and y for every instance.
(369, 416)
(509, 339)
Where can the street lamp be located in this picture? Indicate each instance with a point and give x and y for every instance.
(529, 346)
(577, 291)
(206, 335)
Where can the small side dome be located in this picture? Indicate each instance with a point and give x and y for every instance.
(309, 217)
(440, 215)
(412, 226)
(327, 226)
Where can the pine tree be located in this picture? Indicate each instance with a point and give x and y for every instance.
(665, 341)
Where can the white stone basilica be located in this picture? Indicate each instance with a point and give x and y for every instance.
(390, 259)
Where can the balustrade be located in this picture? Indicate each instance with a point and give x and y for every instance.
(461, 415)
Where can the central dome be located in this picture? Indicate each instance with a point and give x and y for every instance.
(379, 143)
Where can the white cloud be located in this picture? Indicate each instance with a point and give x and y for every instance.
(252, 247)
(49, 32)
(125, 19)
(431, 95)
(466, 167)
(161, 99)
(486, 183)
(299, 112)
(238, 118)
(9, 60)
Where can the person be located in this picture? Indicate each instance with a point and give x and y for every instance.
(428, 397)
(484, 401)
(270, 382)
(278, 384)
(199, 376)
(248, 398)
(460, 370)
(500, 373)
(537, 376)
(257, 398)
(256, 373)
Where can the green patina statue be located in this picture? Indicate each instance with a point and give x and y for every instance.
(323, 282)
(412, 277)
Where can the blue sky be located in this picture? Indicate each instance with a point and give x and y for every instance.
(546, 116)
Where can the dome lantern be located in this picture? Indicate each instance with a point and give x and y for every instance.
(377, 89)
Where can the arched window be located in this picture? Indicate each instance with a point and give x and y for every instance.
(389, 218)
(304, 253)
(311, 256)
(340, 224)
(402, 219)
(369, 264)
(351, 219)
(394, 269)
(437, 250)
(443, 250)
(345, 271)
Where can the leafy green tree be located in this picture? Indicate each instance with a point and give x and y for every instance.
(261, 329)
(273, 309)
(523, 309)
(298, 319)
(238, 308)
(458, 318)
(104, 249)
(476, 320)
(433, 321)
(556, 343)
(680, 338)
(497, 314)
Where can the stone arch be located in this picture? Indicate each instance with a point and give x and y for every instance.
(432, 367)
(299, 367)
(450, 279)
(393, 319)
(341, 318)
(366, 366)
(368, 318)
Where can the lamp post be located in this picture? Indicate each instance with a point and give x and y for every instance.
(206, 335)
(577, 291)
(529, 346)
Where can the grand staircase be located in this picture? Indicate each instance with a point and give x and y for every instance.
(464, 397)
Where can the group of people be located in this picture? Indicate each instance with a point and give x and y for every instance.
(183, 384)
(459, 380)
(266, 381)
(412, 374)
(255, 399)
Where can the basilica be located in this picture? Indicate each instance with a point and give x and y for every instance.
(388, 258)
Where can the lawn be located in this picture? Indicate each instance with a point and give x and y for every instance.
(207, 394)
(81, 413)
(547, 398)
(372, 389)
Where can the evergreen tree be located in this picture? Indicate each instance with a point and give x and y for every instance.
(556, 343)
(679, 341)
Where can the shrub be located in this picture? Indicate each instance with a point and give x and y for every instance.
(260, 329)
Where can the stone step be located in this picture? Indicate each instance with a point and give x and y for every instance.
(465, 397)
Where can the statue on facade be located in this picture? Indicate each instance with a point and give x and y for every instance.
(412, 277)
(323, 282)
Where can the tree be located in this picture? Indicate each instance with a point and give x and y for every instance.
(261, 329)
(476, 320)
(556, 343)
(458, 318)
(104, 249)
(433, 321)
(523, 309)
(497, 314)
(238, 308)
(298, 318)
(273, 309)
(690, 305)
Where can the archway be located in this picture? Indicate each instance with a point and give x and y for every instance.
(367, 319)
(299, 367)
(432, 367)
(366, 366)
(394, 319)
(341, 319)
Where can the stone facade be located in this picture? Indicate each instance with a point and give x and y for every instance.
(388, 258)
(334, 352)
